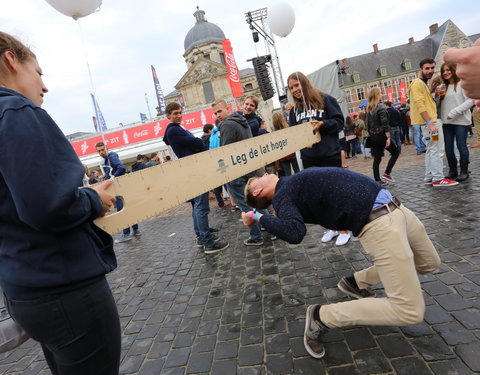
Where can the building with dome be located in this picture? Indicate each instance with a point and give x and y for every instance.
(206, 77)
(204, 82)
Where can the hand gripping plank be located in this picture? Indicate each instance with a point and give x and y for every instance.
(148, 192)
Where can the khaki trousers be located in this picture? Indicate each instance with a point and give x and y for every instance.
(400, 247)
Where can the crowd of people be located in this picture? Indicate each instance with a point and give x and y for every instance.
(53, 258)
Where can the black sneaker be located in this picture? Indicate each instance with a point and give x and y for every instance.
(313, 330)
(346, 287)
(216, 248)
(250, 242)
(200, 241)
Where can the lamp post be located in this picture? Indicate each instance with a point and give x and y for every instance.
(148, 106)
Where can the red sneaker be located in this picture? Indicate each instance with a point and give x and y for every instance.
(428, 182)
(444, 182)
(387, 177)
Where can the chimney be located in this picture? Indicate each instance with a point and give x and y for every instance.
(375, 48)
(410, 40)
(345, 66)
(433, 28)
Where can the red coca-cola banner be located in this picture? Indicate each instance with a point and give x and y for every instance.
(142, 133)
(403, 92)
(233, 73)
(390, 94)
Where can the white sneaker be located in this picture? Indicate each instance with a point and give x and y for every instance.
(354, 239)
(342, 239)
(329, 235)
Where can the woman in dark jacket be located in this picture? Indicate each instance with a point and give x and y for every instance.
(324, 112)
(53, 258)
(379, 137)
(326, 116)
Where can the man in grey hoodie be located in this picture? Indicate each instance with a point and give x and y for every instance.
(234, 128)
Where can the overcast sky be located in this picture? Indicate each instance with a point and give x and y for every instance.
(125, 37)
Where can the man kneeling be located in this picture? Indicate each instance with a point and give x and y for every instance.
(389, 232)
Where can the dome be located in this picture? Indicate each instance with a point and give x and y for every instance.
(202, 32)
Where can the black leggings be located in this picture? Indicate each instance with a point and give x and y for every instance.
(378, 142)
(79, 330)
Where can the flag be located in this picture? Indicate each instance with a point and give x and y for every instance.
(181, 99)
(95, 123)
(403, 92)
(158, 90)
(390, 94)
(101, 121)
(233, 73)
(143, 116)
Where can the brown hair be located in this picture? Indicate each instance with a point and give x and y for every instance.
(373, 99)
(21, 52)
(279, 121)
(172, 107)
(426, 60)
(438, 80)
(260, 203)
(99, 144)
(453, 70)
(312, 96)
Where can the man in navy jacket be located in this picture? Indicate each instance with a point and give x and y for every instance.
(389, 232)
(184, 144)
(113, 166)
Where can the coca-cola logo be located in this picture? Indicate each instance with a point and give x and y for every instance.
(232, 67)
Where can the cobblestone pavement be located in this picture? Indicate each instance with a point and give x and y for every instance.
(243, 311)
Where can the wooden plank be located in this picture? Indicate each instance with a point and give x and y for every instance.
(148, 192)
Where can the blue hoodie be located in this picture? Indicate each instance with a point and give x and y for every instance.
(48, 242)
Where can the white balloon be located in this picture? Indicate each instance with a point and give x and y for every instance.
(75, 8)
(281, 19)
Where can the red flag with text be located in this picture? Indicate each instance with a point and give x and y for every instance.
(233, 73)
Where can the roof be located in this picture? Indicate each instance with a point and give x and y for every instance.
(202, 32)
(367, 64)
(474, 37)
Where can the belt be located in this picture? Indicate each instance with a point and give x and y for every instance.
(385, 209)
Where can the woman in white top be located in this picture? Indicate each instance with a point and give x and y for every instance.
(456, 117)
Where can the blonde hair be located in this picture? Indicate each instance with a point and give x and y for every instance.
(260, 203)
(373, 99)
(279, 121)
(222, 102)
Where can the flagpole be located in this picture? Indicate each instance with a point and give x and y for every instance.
(148, 105)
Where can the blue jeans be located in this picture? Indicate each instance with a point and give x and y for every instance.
(236, 189)
(417, 138)
(201, 208)
(79, 330)
(395, 137)
(119, 206)
(451, 133)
